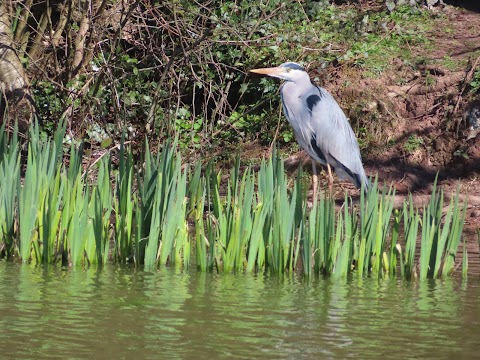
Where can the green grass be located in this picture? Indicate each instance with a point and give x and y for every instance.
(413, 143)
(251, 222)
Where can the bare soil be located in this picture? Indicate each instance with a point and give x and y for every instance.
(435, 113)
(430, 105)
(426, 101)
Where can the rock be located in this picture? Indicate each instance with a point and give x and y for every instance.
(370, 106)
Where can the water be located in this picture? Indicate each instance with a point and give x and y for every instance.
(122, 313)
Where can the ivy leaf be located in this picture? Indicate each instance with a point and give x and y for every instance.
(106, 143)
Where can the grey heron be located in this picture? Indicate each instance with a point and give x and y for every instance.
(319, 124)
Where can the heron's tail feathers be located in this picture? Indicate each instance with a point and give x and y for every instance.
(362, 182)
(358, 178)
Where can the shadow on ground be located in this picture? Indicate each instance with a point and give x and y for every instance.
(472, 5)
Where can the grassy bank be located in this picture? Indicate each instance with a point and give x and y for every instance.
(158, 211)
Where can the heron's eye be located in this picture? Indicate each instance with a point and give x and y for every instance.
(288, 69)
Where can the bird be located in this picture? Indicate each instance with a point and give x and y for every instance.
(319, 124)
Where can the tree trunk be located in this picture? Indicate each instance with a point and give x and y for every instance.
(16, 101)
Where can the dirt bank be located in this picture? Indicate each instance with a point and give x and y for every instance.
(422, 107)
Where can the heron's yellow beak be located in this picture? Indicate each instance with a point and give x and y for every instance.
(269, 71)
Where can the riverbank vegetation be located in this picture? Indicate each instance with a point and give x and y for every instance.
(179, 69)
(160, 212)
(111, 84)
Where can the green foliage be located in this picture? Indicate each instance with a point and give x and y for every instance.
(411, 223)
(123, 205)
(163, 211)
(452, 64)
(413, 143)
(190, 80)
(40, 190)
(440, 240)
(375, 39)
(10, 173)
(475, 82)
(100, 209)
(375, 215)
(50, 101)
(254, 221)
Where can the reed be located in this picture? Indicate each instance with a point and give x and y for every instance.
(284, 220)
(100, 210)
(162, 216)
(146, 192)
(197, 197)
(174, 242)
(124, 201)
(411, 221)
(375, 216)
(318, 237)
(250, 229)
(454, 235)
(10, 175)
(39, 195)
(72, 233)
(250, 220)
(230, 222)
(440, 239)
(347, 226)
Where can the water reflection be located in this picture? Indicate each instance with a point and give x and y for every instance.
(119, 312)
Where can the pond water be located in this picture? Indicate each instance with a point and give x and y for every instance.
(119, 313)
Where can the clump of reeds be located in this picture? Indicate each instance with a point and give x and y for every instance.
(253, 221)
(248, 228)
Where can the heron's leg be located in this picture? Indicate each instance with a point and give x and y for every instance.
(314, 179)
(330, 180)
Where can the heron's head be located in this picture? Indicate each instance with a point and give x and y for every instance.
(288, 71)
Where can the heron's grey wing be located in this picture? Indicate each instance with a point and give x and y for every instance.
(299, 116)
(334, 136)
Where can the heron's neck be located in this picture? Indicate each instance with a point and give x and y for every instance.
(303, 81)
(299, 85)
